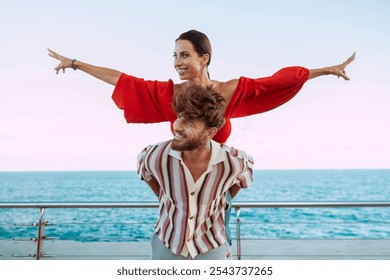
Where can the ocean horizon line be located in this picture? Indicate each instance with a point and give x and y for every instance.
(133, 170)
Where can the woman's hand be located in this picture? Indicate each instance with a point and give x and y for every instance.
(65, 62)
(339, 70)
(108, 75)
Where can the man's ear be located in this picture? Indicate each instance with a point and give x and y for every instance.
(211, 132)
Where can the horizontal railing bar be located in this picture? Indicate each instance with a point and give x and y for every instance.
(311, 204)
(79, 205)
(265, 204)
(104, 223)
(251, 222)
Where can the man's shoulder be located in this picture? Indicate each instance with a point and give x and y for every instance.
(236, 153)
(159, 146)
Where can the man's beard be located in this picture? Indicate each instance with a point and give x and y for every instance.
(186, 144)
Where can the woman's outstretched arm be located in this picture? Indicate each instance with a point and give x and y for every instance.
(337, 70)
(108, 75)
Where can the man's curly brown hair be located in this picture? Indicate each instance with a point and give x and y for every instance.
(199, 103)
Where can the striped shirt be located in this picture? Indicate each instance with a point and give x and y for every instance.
(191, 214)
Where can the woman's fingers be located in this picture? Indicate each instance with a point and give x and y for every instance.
(349, 60)
(341, 67)
(344, 75)
(63, 60)
(53, 54)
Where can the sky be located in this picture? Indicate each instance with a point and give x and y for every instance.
(68, 121)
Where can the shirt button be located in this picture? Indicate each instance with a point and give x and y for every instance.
(188, 240)
(191, 217)
(193, 193)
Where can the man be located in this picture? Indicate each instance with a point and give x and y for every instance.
(191, 175)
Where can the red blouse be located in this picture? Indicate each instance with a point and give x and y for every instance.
(150, 101)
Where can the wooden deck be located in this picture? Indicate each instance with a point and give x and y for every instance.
(356, 249)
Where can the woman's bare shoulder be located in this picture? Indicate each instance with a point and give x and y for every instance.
(226, 89)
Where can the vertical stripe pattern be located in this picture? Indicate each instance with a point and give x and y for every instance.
(231, 167)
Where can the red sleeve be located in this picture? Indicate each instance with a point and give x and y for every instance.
(254, 96)
(144, 101)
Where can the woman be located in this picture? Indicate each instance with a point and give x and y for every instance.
(192, 56)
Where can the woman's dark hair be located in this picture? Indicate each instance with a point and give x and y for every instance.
(200, 42)
(199, 103)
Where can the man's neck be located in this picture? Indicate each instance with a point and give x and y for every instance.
(200, 154)
(197, 160)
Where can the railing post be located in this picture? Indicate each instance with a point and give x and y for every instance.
(238, 231)
(41, 229)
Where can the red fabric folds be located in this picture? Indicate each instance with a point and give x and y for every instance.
(144, 101)
(151, 101)
(254, 96)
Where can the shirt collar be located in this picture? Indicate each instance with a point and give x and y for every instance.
(217, 153)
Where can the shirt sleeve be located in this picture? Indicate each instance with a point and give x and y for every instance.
(254, 96)
(144, 101)
(142, 170)
(245, 178)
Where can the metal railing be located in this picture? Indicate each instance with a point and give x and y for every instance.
(237, 206)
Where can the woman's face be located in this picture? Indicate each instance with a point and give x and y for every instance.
(187, 62)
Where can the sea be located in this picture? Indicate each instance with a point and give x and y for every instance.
(123, 224)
